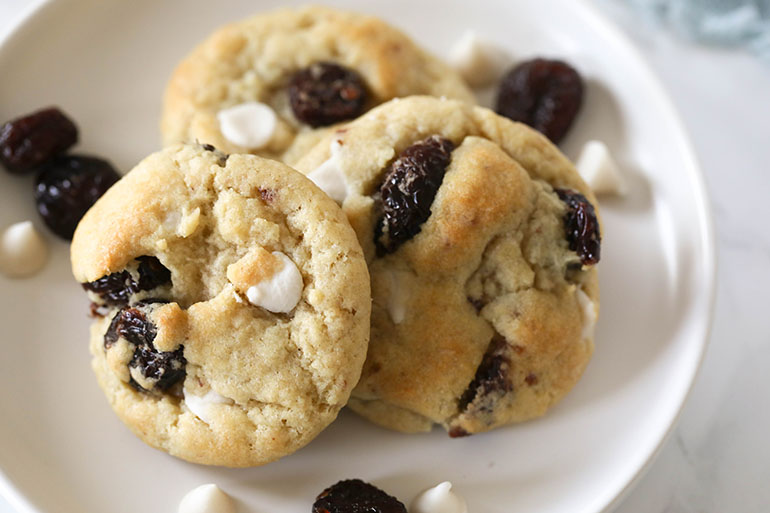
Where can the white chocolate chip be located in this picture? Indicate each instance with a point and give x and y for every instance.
(189, 223)
(200, 405)
(171, 221)
(399, 294)
(589, 313)
(208, 498)
(250, 125)
(23, 251)
(479, 62)
(599, 170)
(282, 291)
(439, 499)
(329, 176)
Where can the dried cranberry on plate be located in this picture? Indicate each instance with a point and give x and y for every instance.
(544, 94)
(356, 496)
(30, 141)
(67, 187)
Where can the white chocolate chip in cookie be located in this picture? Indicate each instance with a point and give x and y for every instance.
(597, 167)
(202, 405)
(269, 280)
(399, 294)
(282, 292)
(329, 176)
(589, 313)
(189, 223)
(250, 125)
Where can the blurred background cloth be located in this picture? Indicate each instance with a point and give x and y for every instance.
(735, 23)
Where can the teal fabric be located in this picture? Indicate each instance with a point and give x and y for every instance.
(734, 23)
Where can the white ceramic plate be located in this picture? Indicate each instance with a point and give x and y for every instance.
(106, 62)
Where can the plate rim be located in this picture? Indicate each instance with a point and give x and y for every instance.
(704, 310)
(8, 491)
(708, 239)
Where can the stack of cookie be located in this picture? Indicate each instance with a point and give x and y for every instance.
(430, 263)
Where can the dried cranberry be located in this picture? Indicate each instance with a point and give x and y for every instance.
(130, 323)
(492, 375)
(356, 496)
(164, 368)
(116, 288)
(544, 94)
(326, 93)
(152, 273)
(409, 189)
(581, 226)
(458, 432)
(67, 187)
(29, 141)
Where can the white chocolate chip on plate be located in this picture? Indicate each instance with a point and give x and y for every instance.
(439, 499)
(23, 251)
(478, 61)
(597, 167)
(207, 498)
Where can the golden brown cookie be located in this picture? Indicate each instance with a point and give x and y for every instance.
(234, 305)
(481, 241)
(270, 84)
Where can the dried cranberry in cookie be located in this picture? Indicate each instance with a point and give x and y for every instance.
(483, 285)
(492, 376)
(544, 94)
(132, 332)
(581, 226)
(144, 274)
(408, 191)
(325, 93)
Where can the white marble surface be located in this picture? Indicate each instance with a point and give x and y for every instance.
(718, 459)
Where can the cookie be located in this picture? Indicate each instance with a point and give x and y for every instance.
(481, 241)
(232, 305)
(271, 84)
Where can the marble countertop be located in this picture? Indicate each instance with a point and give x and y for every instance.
(718, 458)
